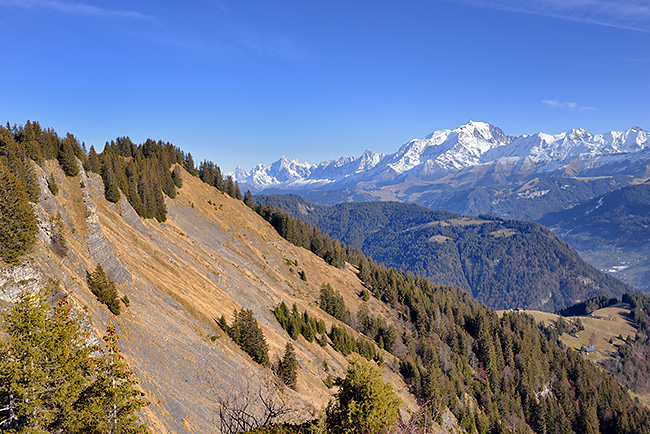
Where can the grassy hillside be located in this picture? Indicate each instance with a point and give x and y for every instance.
(211, 256)
(614, 337)
(502, 263)
(604, 330)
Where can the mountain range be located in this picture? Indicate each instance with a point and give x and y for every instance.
(473, 169)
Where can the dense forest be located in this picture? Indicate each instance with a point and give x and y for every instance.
(494, 373)
(503, 263)
(457, 351)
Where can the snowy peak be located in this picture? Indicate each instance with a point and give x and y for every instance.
(450, 152)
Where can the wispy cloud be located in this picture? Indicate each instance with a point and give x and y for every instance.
(73, 8)
(624, 14)
(566, 105)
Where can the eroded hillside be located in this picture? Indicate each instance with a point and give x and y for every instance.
(212, 255)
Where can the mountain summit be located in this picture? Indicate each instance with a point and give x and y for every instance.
(476, 158)
(448, 152)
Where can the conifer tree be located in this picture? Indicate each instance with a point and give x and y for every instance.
(288, 368)
(189, 165)
(92, 161)
(364, 402)
(111, 184)
(104, 288)
(52, 381)
(17, 220)
(15, 157)
(248, 199)
(51, 184)
(110, 404)
(43, 365)
(177, 177)
(248, 335)
(67, 155)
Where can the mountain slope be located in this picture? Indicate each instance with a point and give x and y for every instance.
(612, 230)
(503, 263)
(473, 169)
(212, 255)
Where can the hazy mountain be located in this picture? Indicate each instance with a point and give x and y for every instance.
(502, 263)
(473, 169)
(612, 231)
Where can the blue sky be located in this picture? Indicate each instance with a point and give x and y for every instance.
(244, 82)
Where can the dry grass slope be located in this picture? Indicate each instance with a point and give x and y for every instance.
(212, 255)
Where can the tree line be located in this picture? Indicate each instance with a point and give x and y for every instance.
(143, 173)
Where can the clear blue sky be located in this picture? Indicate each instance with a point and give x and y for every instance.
(243, 82)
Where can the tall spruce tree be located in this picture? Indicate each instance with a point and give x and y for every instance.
(110, 403)
(17, 220)
(43, 366)
(288, 368)
(364, 402)
(67, 155)
(53, 381)
(248, 335)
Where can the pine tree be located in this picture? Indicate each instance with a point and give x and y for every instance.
(248, 335)
(248, 199)
(111, 183)
(17, 220)
(51, 184)
(92, 161)
(364, 402)
(15, 157)
(288, 368)
(104, 288)
(43, 365)
(177, 177)
(111, 402)
(67, 155)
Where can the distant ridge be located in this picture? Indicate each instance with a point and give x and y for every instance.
(473, 169)
(502, 263)
(451, 151)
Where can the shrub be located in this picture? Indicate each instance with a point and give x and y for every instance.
(364, 402)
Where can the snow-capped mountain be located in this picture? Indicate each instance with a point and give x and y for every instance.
(459, 151)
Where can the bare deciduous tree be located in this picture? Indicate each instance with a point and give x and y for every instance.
(257, 402)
